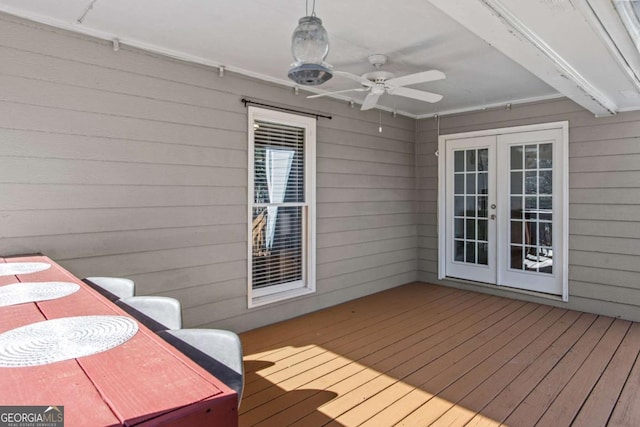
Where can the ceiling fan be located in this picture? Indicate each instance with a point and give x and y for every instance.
(379, 82)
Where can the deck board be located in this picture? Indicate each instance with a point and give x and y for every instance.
(423, 354)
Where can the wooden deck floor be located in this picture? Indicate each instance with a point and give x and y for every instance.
(428, 355)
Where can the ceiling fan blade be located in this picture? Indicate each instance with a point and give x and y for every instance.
(370, 101)
(416, 94)
(355, 77)
(412, 79)
(359, 89)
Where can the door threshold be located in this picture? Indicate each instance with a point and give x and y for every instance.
(505, 288)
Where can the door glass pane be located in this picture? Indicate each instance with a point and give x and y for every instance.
(531, 203)
(471, 229)
(459, 228)
(483, 230)
(459, 161)
(471, 206)
(531, 156)
(483, 201)
(483, 159)
(471, 160)
(516, 257)
(516, 207)
(545, 259)
(471, 253)
(546, 156)
(545, 208)
(459, 206)
(539, 259)
(459, 250)
(483, 183)
(516, 182)
(531, 240)
(471, 183)
(459, 183)
(516, 232)
(546, 182)
(545, 236)
(483, 254)
(516, 157)
(531, 207)
(531, 259)
(531, 182)
(531, 233)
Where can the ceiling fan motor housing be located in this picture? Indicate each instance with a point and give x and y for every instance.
(378, 76)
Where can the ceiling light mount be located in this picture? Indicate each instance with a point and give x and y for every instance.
(310, 47)
(378, 59)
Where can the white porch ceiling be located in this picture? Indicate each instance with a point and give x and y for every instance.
(494, 52)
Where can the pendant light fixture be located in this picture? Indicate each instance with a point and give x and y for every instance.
(310, 47)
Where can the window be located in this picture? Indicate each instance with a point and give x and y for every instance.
(281, 204)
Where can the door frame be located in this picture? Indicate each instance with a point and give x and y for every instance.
(564, 188)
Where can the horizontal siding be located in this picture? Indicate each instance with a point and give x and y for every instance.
(80, 196)
(131, 164)
(604, 201)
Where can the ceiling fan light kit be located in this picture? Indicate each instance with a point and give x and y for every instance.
(310, 47)
(310, 74)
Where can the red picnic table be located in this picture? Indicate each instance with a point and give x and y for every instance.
(143, 382)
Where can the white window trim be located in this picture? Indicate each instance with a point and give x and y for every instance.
(564, 185)
(272, 294)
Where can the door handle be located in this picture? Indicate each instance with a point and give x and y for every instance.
(493, 217)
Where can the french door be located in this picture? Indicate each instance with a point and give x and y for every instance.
(471, 209)
(503, 214)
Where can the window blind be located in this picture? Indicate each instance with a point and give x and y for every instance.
(279, 205)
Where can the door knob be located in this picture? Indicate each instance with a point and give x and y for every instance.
(493, 216)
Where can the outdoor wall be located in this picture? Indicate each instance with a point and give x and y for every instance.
(604, 202)
(131, 164)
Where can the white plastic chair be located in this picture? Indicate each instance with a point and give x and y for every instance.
(217, 351)
(157, 313)
(115, 287)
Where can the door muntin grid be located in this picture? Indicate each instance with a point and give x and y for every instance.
(470, 213)
(531, 207)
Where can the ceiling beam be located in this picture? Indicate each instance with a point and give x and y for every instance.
(607, 24)
(497, 25)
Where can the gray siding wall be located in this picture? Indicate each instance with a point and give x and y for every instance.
(130, 164)
(604, 202)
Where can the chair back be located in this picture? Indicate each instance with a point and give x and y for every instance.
(155, 312)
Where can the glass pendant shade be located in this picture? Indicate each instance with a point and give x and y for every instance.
(310, 46)
(310, 42)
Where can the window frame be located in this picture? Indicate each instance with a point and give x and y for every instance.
(281, 292)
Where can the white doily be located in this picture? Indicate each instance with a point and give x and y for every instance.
(13, 268)
(20, 293)
(62, 339)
